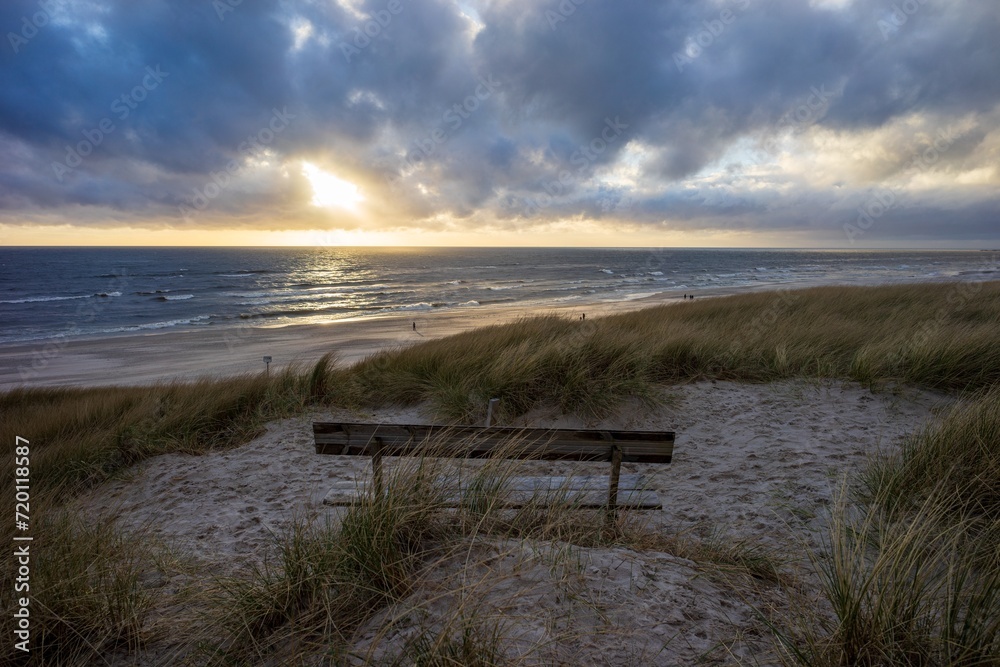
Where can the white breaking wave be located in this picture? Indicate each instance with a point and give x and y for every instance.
(156, 325)
(37, 299)
(423, 305)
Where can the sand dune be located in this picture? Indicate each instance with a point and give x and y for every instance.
(752, 462)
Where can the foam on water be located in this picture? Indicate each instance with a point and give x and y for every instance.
(47, 292)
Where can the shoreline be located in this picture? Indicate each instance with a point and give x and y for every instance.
(200, 353)
(185, 355)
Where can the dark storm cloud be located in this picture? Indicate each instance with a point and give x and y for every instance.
(392, 92)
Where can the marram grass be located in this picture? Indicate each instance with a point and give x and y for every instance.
(942, 336)
(911, 569)
(910, 576)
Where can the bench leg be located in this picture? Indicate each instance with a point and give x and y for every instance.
(616, 469)
(377, 466)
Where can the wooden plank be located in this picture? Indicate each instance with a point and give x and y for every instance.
(480, 442)
(582, 491)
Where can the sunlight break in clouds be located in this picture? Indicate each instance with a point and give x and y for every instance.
(330, 191)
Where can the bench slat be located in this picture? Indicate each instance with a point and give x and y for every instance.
(480, 442)
(583, 491)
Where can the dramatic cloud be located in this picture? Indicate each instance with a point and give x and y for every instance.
(830, 122)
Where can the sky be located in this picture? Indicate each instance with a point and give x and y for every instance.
(739, 123)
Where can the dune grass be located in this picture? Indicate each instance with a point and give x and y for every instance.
(911, 569)
(328, 580)
(912, 579)
(80, 437)
(954, 464)
(88, 598)
(942, 336)
(937, 336)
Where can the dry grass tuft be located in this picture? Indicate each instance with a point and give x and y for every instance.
(87, 589)
(911, 571)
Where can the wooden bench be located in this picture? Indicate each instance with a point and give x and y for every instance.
(616, 490)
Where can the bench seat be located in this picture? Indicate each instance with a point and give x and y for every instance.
(581, 491)
(549, 444)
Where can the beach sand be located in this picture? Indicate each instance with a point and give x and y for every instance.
(759, 463)
(215, 352)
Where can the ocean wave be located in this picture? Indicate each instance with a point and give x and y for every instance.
(178, 297)
(608, 271)
(38, 299)
(284, 312)
(156, 325)
(639, 295)
(158, 291)
(469, 303)
(423, 305)
(107, 294)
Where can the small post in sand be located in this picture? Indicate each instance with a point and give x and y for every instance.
(267, 366)
(489, 411)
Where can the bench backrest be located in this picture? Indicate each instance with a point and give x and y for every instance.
(482, 442)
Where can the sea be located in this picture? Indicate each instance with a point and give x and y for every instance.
(86, 292)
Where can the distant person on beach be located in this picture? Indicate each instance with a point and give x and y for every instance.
(583, 316)
(414, 326)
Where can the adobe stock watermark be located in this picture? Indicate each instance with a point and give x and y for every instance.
(615, 202)
(765, 320)
(454, 117)
(959, 297)
(884, 199)
(697, 43)
(220, 180)
(30, 25)
(583, 158)
(800, 117)
(122, 106)
(562, 12)
(901, 13)
(371, 28)
(223, 7)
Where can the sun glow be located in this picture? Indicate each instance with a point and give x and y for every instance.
(330, 191)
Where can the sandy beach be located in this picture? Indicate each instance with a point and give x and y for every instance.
(133, 359)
